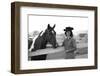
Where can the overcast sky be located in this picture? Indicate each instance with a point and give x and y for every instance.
(40, 23)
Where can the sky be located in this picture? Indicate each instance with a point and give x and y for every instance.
(40, 22)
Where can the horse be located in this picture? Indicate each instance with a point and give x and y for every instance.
(49, 36)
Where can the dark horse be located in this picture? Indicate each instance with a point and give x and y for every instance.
(49, 36)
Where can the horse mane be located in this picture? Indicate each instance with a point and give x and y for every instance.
(40, 34)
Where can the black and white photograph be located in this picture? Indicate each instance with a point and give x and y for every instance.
(53, 37)
(57, 37)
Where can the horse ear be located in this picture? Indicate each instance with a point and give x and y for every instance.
(54, 26)
(48, 26)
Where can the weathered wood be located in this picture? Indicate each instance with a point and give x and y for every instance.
(52, 50)
(46, 51)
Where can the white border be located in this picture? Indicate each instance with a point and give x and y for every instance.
(25, 64)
